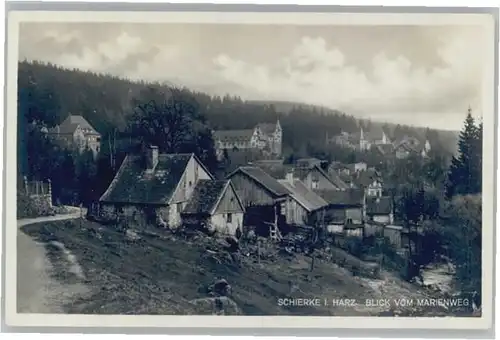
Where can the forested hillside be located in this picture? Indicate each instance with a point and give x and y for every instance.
(50, 93)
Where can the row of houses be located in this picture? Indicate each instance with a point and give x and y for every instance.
(177, 189)
(377, 140)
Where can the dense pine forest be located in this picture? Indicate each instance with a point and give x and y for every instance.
(49, 93)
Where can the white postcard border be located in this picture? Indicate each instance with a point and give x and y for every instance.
(12, 318)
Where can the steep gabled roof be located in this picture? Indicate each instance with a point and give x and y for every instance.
(267, 128)
(338, 181)
(305, 197)
(302, 172)
(410, 148)
(233, 135)
(264, 179)
(348, 197)
(206, 196)
(71, 123)
(378, 205)
(134, 184)
(65, 128)
(277, 171)
(82, 122)
(366, 177)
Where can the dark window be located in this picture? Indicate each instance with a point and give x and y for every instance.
(229, 218)
(190, 184)
(349, 221)
(179, 207)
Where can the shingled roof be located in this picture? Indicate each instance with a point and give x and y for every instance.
(348, 197)
(378, 205)
(231, 136)
(71, 123)
(302, 172)
(366, 177)
(305, 197)
(206, 196)
(264, 179)
(81, 121)
(267, 128)
(277, 171)
(338, 181)
(133, 184)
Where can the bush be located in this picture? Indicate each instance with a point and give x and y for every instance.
(28, 207)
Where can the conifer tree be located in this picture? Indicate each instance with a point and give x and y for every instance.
(465, 171)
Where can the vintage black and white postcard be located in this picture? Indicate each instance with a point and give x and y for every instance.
(231, 169)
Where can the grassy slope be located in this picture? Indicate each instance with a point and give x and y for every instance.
(161, 276)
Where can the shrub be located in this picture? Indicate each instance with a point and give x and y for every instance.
(28, 207)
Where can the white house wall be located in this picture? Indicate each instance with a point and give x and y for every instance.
(219, 222)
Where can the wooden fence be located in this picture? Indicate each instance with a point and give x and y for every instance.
(36, 188)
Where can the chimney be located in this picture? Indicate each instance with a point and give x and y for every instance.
(152, 157)
(289, 176)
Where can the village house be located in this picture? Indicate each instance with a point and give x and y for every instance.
(272, 135)
(344, 210)
(153, 188)
(347, 169)
(409, 145)
(305, 206)
(362, 140)
(264, 198)
(315, 178)
(374, 136)
(370, 181)
(215, 205)
(76, 133)
(403, 151)
(344, 139)
(266, 137)
(379, 210)
(236, 140)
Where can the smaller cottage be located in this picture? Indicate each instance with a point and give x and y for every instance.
(263, 197)
(305, 205)
(215, 206)
(347, 203)
(380, 210)
(344, 211)
(395, 235)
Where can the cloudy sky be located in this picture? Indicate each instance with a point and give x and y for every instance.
(404, 74)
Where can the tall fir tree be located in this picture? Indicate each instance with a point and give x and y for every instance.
(465, 171)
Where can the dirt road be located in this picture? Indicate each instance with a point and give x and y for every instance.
(37, 290)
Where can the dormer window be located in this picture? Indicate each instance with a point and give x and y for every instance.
(315, 183)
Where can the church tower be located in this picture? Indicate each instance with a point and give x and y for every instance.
(278, 139)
